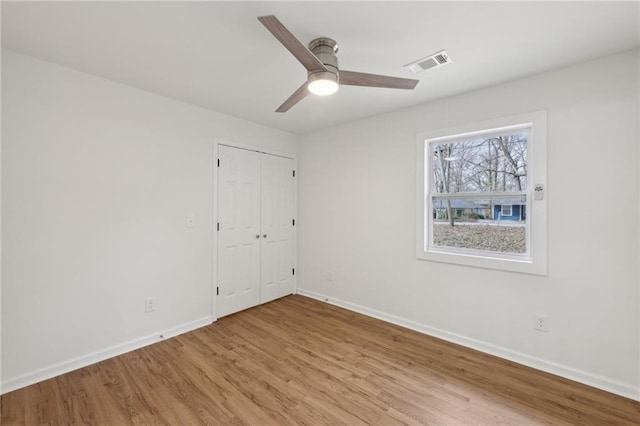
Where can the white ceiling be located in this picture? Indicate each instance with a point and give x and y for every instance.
(218, 56)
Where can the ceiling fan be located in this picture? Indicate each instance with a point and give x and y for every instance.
(321, 63)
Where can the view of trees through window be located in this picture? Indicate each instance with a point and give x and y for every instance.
(478, 192)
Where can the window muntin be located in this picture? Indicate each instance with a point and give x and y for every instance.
(528, 213)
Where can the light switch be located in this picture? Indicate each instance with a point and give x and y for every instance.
(191, 221)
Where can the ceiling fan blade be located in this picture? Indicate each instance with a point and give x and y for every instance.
(297, 96)
(288, 40)
(351, 78)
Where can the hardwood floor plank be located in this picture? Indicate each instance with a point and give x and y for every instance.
(103, 409)
(298, 361)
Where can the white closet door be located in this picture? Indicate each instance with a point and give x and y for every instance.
(239, 236)
(276, 272)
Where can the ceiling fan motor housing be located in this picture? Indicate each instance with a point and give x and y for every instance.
(325, 50)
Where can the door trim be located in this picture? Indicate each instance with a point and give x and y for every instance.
(214, 210)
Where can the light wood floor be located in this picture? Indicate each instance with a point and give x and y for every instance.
(300, 361)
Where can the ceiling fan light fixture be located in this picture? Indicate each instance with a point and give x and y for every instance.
(323, 83)
(321, 63)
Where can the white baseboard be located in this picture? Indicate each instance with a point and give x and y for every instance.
(618, 388)
(91, 358)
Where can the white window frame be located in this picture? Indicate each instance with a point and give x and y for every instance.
(532, 262)
(502, 213)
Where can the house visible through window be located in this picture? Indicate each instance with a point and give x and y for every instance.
(476, 192)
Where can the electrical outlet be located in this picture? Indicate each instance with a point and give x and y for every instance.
(540, 322)
(190, 221)
(150, 304)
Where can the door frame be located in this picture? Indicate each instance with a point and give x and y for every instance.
(214, 211)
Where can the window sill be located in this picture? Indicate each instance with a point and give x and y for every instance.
(539, 267)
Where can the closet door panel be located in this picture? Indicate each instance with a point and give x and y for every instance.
(239, 239)
(277, 225)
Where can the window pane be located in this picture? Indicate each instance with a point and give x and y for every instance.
(481, 224)
(490, 164)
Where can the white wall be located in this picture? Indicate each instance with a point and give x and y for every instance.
(357, 219)
(97, 180)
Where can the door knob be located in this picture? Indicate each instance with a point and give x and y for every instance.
(258, 236)
(264, 236)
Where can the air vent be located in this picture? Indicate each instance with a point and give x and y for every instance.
(436, 60)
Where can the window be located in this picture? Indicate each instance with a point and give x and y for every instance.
(476, 202)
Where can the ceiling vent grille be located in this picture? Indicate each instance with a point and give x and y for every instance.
(436, 60)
